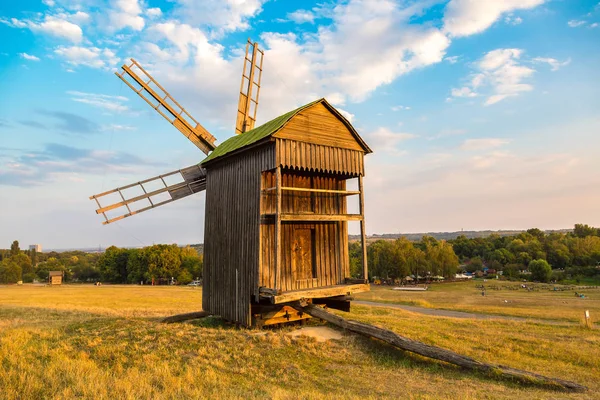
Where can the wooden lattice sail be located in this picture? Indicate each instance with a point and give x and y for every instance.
(249, 88)
(190, 180)
(138, 79)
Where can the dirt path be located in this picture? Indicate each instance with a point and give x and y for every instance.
(459, 314)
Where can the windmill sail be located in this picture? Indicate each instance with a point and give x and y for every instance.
(155, 95)
(249, 88)
(189, 180)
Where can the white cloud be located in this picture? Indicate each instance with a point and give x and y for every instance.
(385, 140)
(218, 15)
(104, 101)
(554, 63)
(594, 25)
(467, 17)
(499, 71)
(512, 20)
(49, 3)
(346, 114)
(483, 144)
(56, 26)
(117, 127)
(463, 92)
(126, 14)
(154, 12)
(79, 18)
(93, 57)
(447, 132)
(575, 23)
(398, 108)
(60, 28)
(29, 57)
(452, 59)
(302, 16)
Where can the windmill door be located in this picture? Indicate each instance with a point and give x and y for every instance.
(304, 257)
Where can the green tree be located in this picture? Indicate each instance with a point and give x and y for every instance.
(163, 261)
(355, 255)
(184, 277)
(584, 230)
(52, 264)
(10, 271)
(24, 262)
(192, 261)
(540, 270)
(34, 257)
(137, 266)
(475, 264)
(113, 265)
(14, 248)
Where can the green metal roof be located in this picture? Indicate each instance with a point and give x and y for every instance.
(267, 129)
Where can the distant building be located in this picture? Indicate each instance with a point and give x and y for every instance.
(36, 247)
(55, 277)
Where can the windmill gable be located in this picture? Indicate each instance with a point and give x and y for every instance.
(319, 125)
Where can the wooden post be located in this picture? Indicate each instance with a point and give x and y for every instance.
(586, 315)
(363, 236)
(277, 225)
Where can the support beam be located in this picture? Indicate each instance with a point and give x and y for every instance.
(185, 317)
(277, 226)
(316, 293)
(363, 235)
(435, 352)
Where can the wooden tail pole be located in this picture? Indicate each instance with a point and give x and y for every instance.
(434, 352)
(184, 317)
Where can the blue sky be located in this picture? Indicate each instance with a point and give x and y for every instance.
(482, 114)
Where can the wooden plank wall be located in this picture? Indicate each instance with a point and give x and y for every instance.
(315, 157)
(318, 125)
(231, 233)
(331, 238)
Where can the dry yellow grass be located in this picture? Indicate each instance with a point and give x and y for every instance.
(104, 342)
(464, 296)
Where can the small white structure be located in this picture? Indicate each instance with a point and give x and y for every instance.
(36, 247)
(463, 276)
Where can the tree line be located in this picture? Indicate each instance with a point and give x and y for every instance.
(533, 254)
(158, 263)
(399, 258)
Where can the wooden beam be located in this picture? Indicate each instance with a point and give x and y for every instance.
(435, 352)
(277, 225)
(185, 317)
(363, 235)
(328, 291)
(295, 189)
(320, 217)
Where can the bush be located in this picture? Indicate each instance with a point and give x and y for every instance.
(540, 270)
(184, 277)
(29, 278)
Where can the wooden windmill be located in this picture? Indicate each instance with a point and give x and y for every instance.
(276, 219)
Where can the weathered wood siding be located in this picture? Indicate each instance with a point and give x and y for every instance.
(318, 125)
(331, 261)
(231, 233)
(319, 158)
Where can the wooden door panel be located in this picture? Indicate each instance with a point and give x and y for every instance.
(303, 257)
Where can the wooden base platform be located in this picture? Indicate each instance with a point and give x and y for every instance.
(272, 315)
(327, 291)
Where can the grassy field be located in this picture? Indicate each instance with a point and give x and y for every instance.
(540, 303)
(105, 342)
